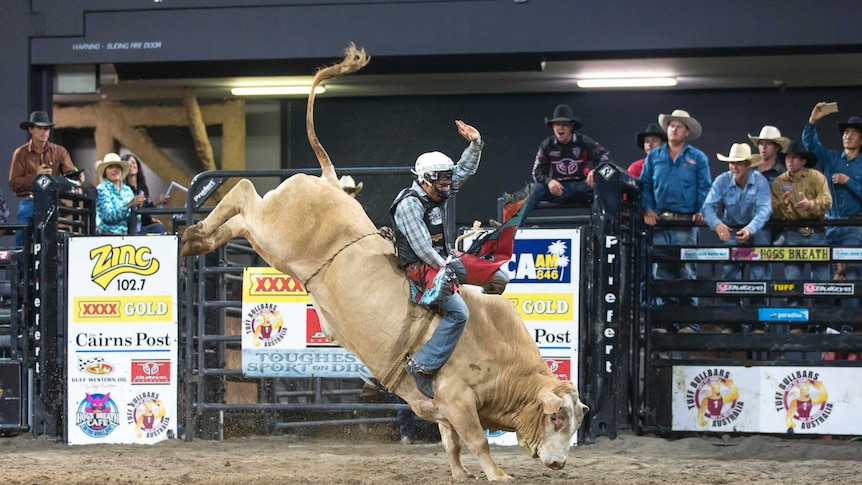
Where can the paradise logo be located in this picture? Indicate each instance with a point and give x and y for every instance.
(541, 261)
(111, 261)
(716, 398)
(803, 399)
(147, 413)
(265, 323)
(97, 415)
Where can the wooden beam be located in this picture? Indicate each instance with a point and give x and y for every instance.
(199, 130)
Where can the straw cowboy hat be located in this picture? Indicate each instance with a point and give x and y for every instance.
(350, 185)
(694, 128)
(741, 152)
(797, 148)
(111, 159)
(853, 122)
(37, 118)
(771, 133)
(652, 129)
(564, 112)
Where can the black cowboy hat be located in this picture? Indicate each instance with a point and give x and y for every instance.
(798, 148)
(652, 129)
(563, 112)
(37, 118)
(853, 122)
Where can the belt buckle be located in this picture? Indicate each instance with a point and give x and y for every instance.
(805, 231)
(666, 216)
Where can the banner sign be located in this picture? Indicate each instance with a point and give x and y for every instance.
(282, 334)
(779, 254)
(122, 339)
(787, 399)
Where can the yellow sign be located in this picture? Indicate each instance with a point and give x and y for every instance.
(123, 309)
(269, 284)
(543, 306)
(779, 253)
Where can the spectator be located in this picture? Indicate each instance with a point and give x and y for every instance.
(418, 215)
(738, 206)
(675, 181)
(770, 144)
(648, 139)
(115, 199)
(843, 172)
(561, 173)
(146, 224)
(349, 186)
(800, 194)
(37, 156)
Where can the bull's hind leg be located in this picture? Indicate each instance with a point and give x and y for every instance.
(452, 445)
(210, 233)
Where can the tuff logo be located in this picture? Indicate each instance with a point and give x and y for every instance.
(112, 261)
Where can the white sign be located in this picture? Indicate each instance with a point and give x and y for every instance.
(122, 339)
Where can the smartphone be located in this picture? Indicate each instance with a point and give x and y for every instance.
(829, 108)
(786, 187)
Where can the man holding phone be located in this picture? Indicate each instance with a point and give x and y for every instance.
(37, 156)
(843, 171)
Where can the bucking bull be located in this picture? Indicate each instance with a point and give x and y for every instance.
(495, 379)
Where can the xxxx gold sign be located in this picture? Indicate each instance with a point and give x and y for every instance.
(123, 309)
(111, 261)
(543, 306)
(269, 284)
(780, 254)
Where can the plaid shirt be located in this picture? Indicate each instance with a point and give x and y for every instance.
(408, 214)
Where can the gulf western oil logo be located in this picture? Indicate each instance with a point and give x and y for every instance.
(155, 308)
(715, 397)
(543, 306)
(803, 399)
(265, 323)
(110, 261)
(541, 261)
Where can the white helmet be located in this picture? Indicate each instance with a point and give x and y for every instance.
(429, 165)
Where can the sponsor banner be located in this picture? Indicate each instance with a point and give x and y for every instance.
(543, 306)
(782, 314)
(780, 254)
(828, 288)
(783, 287)
(740, 288)
(787, 399)
(122, 339)
(318, 362)
(543, 257)
(847, 254)
(261, 284)
(704, 254)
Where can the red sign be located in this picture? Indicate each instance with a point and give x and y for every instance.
(151, 372)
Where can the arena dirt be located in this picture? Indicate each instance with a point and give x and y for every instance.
(289, 459)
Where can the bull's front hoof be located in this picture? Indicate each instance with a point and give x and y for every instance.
(194, 232)
(194, 248)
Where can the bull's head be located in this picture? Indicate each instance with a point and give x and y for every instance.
(561, 415)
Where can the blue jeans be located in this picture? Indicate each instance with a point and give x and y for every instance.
(675, 271)
(794, 271)
(573, 191)
(25, 216)
(436, 351)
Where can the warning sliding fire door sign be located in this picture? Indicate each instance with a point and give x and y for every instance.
(122, 339)
(282, 334)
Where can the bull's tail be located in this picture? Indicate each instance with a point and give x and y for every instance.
(354, 60)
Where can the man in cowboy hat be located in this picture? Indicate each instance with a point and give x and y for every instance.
(800, 194)
(843, 171)
(675, 181)
(770, 144)
(37, 156)
(349, 186)
(738, 206)
(648, 139)
(560, 172)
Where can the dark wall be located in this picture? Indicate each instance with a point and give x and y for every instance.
(394, 131)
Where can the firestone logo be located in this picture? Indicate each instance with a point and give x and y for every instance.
(111, 261)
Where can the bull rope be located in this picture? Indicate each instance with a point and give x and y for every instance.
(331, 258)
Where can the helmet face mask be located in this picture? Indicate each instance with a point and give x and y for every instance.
(435, 169)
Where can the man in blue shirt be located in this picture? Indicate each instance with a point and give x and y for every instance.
(675, 181)
(843, 171)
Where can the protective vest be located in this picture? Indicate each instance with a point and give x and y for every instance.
(434, 217)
